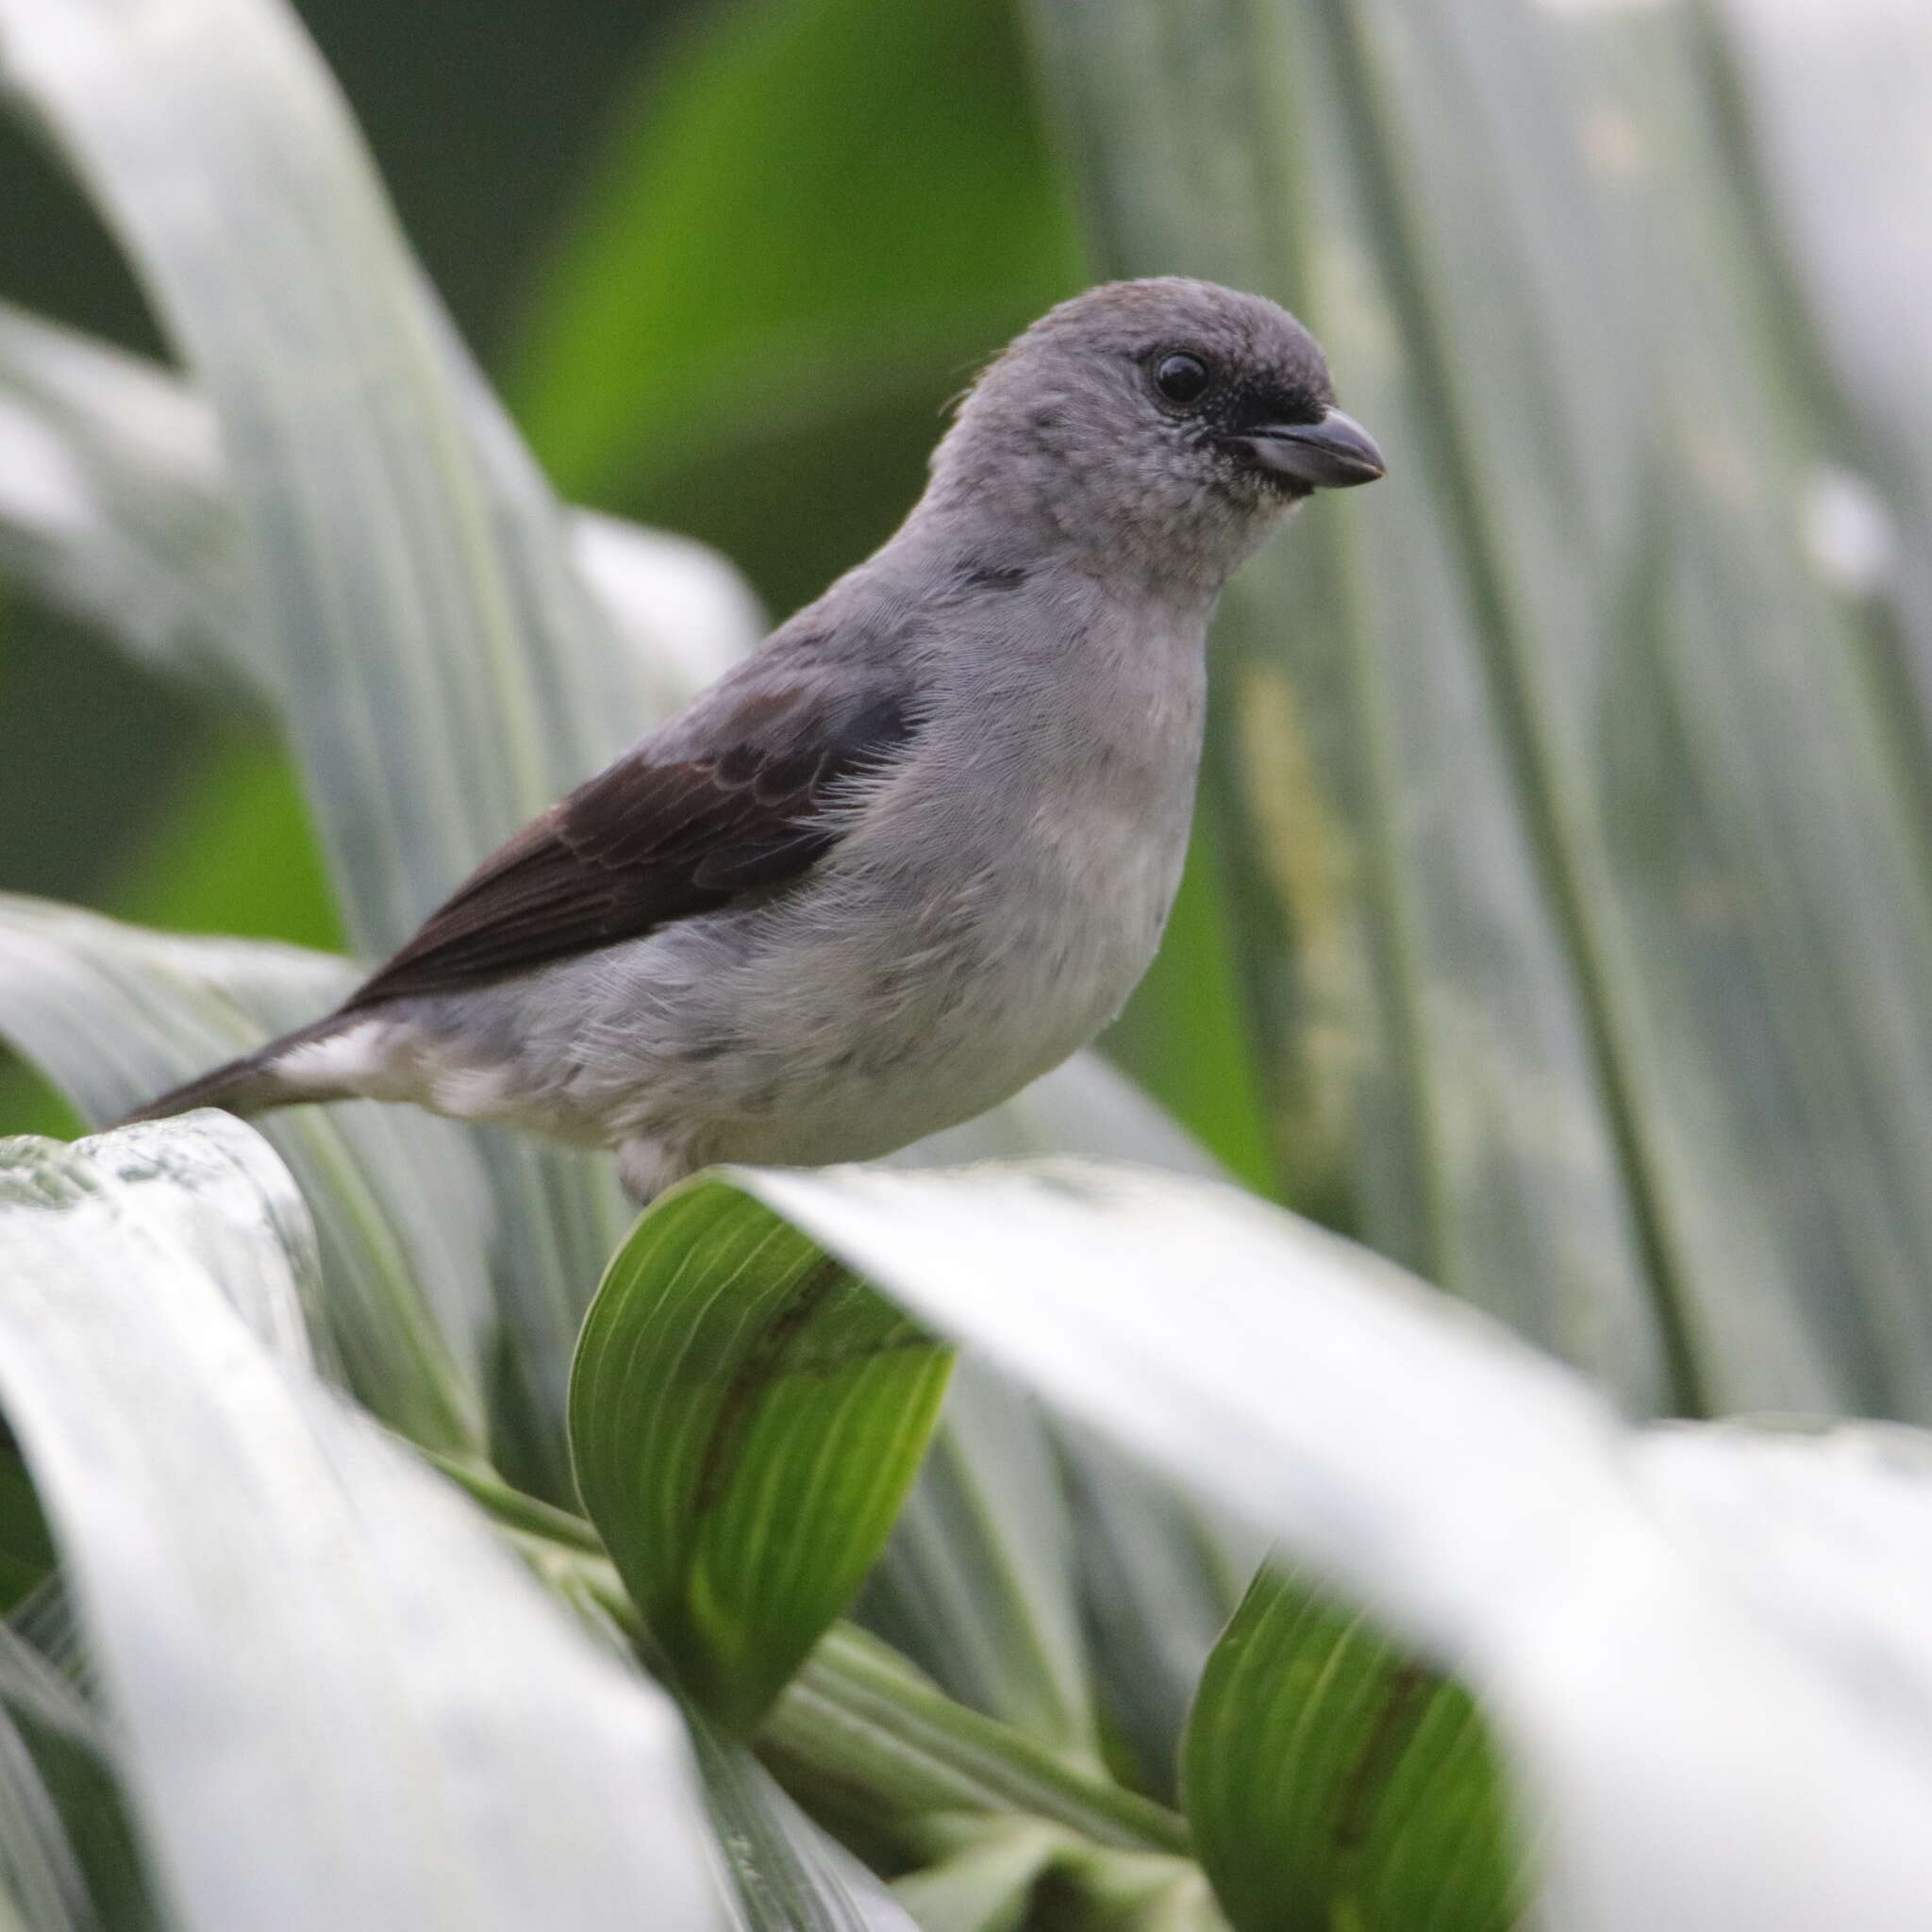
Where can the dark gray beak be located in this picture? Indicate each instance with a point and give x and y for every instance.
(1334, 454)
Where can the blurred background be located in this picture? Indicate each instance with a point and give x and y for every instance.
(1561, 919)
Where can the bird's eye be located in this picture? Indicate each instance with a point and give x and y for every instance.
(1181, 378)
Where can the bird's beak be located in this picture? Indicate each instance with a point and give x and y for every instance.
(1334, 454)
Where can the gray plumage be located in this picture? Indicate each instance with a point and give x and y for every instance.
(920, 846)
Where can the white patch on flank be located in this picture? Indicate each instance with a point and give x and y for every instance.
(356, 1058)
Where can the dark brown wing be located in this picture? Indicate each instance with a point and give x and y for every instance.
(654, 838)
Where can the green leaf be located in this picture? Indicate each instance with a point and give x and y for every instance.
(34, 1686)
(449, 1752)
(1770, 840)
(900, 1771)
(1332, 1780)
(1006, 1874)
(745, 1420)
(1124, 1891)
(49, 1694)
(1648, 1618)
(1036, 1576)
(805, 207)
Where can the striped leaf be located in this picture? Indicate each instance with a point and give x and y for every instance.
(51, 1699)
(1333, 1780)
(107, 505)
(745, 1420)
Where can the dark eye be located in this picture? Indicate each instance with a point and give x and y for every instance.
(1181, 378)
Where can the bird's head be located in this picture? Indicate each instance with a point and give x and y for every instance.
(1171, 420)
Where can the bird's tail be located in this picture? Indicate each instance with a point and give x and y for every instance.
(252, 1084)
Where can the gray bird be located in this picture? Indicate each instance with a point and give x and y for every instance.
(919, 847)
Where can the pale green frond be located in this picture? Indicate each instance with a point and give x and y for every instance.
(292, 1622)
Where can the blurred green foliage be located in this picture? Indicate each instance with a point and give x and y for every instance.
(813, 220)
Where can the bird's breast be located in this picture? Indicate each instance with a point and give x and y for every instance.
(1056, 821)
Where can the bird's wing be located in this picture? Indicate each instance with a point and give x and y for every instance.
(745, 801)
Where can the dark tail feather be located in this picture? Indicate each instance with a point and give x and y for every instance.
(246, 1086)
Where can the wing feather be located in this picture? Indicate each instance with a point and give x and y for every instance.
(656, 838)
